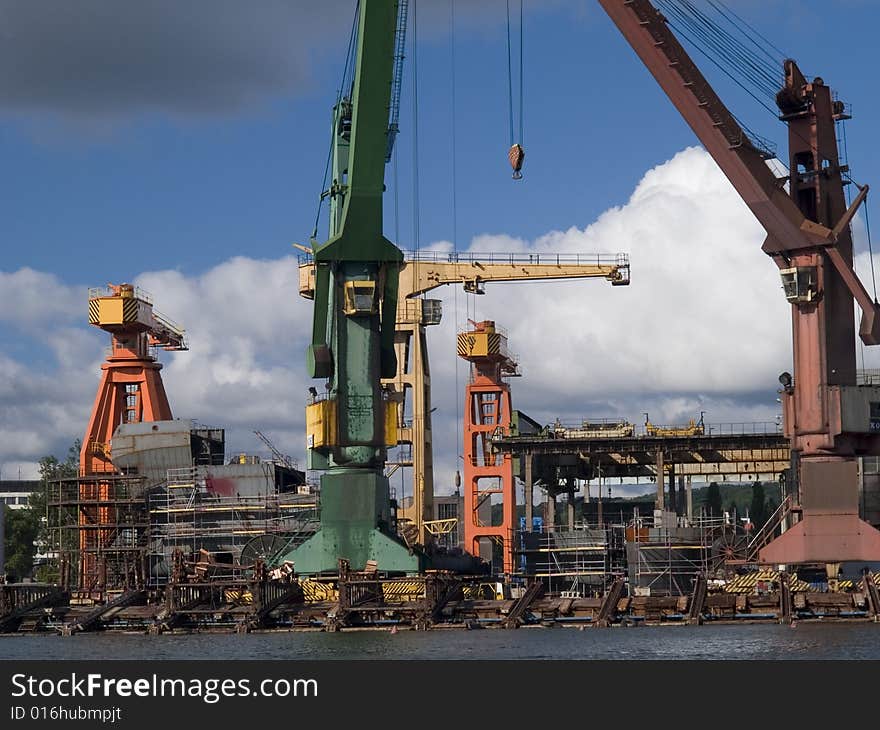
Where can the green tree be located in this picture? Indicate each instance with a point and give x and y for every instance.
(758, 507)
(27, 529)
(713, 500)
(22, 528)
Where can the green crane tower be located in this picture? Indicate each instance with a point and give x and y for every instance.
(355, 302)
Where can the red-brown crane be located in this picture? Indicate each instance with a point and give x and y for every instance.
(828, 417)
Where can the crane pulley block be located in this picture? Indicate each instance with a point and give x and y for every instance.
(516, 154)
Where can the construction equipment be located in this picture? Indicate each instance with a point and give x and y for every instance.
(423, 272)
(828, 417)
(276, 454)
(355, 301)
(591, 429)
(693, 428)
(130, 391)
(487, 407)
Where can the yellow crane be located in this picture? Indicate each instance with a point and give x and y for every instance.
(420, 273)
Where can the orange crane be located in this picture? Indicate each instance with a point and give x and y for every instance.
(487, 408)
(130, 391)
(420, 273)
(131, 388)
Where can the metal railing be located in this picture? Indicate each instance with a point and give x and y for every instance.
(768, 530)
(169, 324)
(97, 292)
(621, 428)
(868, 377)
(746, 427)
(550, 259)
(558, 259)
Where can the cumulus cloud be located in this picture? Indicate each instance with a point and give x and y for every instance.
(704, 314)
(31, 299)
(247, 330)
(702, 327)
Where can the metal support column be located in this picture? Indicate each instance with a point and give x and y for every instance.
(690, 498)
(660, 503)
(2, 540)
(550, 512)
(529, 490)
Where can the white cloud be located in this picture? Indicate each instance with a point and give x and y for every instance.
(702, 327)
(31, 299)
(704, 313)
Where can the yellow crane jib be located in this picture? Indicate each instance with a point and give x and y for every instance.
(423, 271)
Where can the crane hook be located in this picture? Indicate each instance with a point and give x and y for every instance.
(516, 155)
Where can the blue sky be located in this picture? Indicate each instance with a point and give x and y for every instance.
(191, 144)
(96, 191)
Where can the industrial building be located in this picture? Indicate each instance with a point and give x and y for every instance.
(15, 493)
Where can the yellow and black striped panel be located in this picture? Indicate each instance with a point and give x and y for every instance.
(94, 311)
(399, 591)
(480, 591)
(114, 310)
(238, 596)
(130, 309)
(479, 344)
(748, 582)
(315, 592)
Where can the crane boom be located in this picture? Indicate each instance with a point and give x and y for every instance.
(788, 228)
(472, 270)
(646, 30)
(283, 458)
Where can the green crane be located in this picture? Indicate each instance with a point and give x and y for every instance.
(355, 302)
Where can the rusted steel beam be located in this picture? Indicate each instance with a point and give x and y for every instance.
(646, 30)
(698, 600)
(515, 616)
(42, 597)
(608, 609)
(92, 617)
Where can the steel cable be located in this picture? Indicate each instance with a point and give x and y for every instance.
(346, 82)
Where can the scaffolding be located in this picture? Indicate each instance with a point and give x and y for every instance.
(186, 517)
(130, 547)
(570, 562)
(112, 557)
(665, 561)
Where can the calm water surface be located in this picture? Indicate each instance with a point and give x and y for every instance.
(806, 641)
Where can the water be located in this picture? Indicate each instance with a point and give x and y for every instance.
(772, 642)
